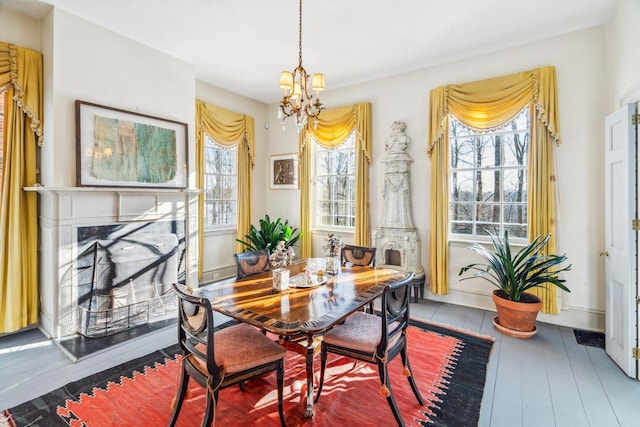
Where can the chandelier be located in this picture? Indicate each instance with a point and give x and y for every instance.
(296, 100)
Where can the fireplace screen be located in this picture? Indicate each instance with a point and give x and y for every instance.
(125, 279)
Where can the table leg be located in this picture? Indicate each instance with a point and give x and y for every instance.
(309, 364)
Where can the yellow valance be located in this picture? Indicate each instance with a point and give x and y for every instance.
(226, 127)
(22, 68)
(490, 103)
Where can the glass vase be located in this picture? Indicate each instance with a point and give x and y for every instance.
(280, 279)
(332, 264)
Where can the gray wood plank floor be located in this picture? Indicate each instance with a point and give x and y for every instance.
(548, 380)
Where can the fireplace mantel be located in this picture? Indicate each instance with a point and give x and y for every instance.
(64, 210)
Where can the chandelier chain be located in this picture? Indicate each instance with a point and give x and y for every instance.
(300, 35)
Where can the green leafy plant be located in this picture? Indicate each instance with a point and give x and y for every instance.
(269, 234)
(514, 275)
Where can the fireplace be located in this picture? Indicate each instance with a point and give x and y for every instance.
(124, 274)
(109, 257)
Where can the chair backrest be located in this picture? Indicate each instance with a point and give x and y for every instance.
(250, 263)
(195, 330)
(394, 312)
(359, 255)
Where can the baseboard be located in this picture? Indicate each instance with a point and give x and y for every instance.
(218, 274)
(573, 317)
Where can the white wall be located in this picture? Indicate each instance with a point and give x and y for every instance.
(220, 245)
(579, 62)
(623, 53)
(19, 29)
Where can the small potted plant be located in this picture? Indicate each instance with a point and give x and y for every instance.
(514, 274)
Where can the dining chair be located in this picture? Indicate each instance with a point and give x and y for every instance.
(221, 359)
(253, 262)
(376, 339)
(358, 255)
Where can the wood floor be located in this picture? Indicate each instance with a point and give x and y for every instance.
(549, 380)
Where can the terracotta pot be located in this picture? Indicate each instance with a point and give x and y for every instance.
(517, 316)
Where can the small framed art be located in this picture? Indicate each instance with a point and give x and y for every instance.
(284, 171)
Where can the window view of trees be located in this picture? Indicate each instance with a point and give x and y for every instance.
(220, 185)
(334, 179)
(488, 178)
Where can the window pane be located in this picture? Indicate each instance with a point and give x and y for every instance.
(462, 186)
(515, 214)
(489, 150)
(488, 212)
(323, 190)
(514, 185)
(341, 188)
(461, 227)
(484, 228)
(516, 151)
(228, 188)
(462, 153)
(461, 211)
(487, 185)
(228, 162)
(515, 230)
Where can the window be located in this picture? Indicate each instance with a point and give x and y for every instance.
(220, 185)
(334, 185)
(488, 179)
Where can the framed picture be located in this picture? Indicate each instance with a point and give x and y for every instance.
(284, 171)
(117, 148)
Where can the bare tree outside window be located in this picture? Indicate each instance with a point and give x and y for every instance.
(220, 185)
(334, 185)
(488, 178)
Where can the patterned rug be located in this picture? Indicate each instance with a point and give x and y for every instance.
(449, 367)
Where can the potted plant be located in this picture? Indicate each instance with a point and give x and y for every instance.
(270, 234)
(513, 275)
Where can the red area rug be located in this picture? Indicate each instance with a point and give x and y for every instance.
(449, 367)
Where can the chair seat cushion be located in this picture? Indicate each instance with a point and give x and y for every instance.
(241, 347)
(361, 331)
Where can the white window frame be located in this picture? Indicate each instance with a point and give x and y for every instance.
(220, 228)
(502, 168)
(347, 146)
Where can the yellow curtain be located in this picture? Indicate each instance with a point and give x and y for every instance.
(333, 128)
(21, 74)
(227, 128)
(487, 104)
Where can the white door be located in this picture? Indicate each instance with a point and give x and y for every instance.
(621, 245)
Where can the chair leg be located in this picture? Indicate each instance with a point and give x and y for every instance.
(384, 379)
(210, 411)
(323, 365)
(412, 381)
(182, 391)
(280, 380)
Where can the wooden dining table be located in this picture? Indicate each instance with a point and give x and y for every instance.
(300, 316)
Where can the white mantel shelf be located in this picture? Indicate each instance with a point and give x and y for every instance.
(43, 189)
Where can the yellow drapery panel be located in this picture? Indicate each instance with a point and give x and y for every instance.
(487, 104)
(333, 128)
(226, 128)
(21, 73)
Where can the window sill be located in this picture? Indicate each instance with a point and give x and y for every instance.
(220, 231)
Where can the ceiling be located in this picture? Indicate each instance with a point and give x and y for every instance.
(243, 45)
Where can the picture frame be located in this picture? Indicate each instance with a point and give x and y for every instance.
(119, 148)
(284, 171)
